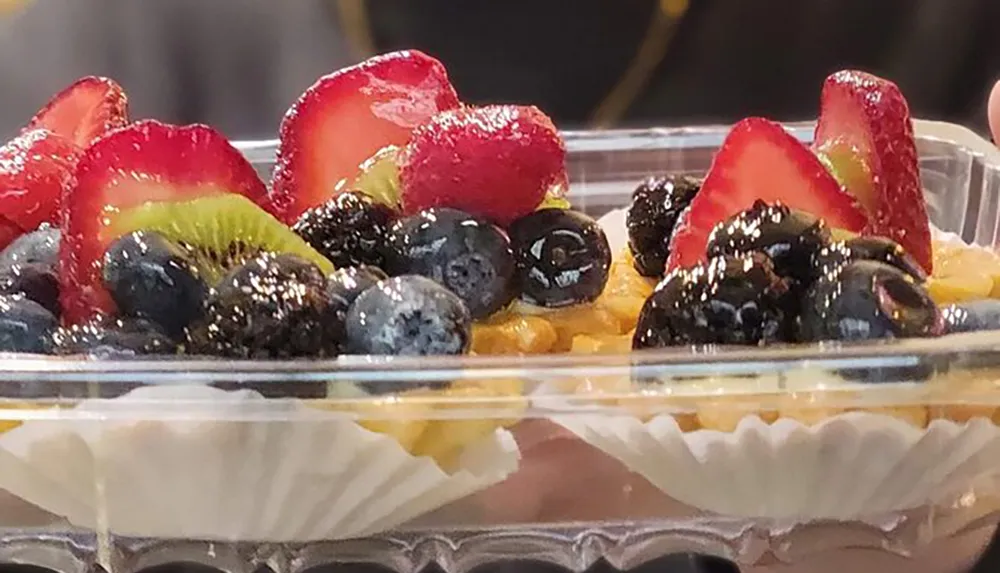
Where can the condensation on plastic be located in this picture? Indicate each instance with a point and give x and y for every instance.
(628, 530)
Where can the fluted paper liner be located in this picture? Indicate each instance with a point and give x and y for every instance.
(222, 467)
(850, 466)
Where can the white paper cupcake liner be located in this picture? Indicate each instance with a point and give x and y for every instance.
(851, 466)
(201, 463)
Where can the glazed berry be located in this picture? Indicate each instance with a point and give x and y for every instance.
(113, 338)
(466, 254)
(154, 278)
(37, 247)
(656, 206)
(25, 325)
(35, 281)
(408, 315)
(496, 161)
(972, 316)
(349, 229)
(273, 306)
(790, 238)
(562, 257)
(880, 249)
(728, 300)
(866, 300)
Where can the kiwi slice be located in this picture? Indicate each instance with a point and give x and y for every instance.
(553, 202)
(849, 168)
(378, 176)
(838, 234)
(220, 231)
(555, 198)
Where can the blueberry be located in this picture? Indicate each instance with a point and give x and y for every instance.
(790, 238)
(113, 338)
(30, 266)
(349, 229)
(972, 316)
(867, 300)
(154, 278)
(25, 325)
(562, 257)
(657, 204)
(272, 306)
(37, 247)
(466, 254)
(36, 281)
(880, 249)
(728, 300)
(408, 315)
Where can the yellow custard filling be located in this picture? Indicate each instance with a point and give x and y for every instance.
(439, 423)
(963, 274)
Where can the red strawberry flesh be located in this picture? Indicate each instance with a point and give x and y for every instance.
(86, 110)
(8, 232)
(865, 126)
(144, 162)
(346, 117)
(495, 162)
(760, 160)
(36, 169)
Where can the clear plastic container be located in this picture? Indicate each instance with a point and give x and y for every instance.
(777, 459)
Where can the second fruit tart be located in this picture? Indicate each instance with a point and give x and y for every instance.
(778, 247)
(785, 244)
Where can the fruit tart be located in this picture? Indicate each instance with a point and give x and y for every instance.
(142, 239)
(780, 245)
(783, 244)
(148, 240)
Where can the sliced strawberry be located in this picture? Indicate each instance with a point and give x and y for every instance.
(8, 232)
(866, 135)
(496, 162)
(144, 162)
(760, 160)
(36, 168)
(347, 116)
(84, 111)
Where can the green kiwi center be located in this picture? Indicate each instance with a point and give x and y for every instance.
(849, 168)
(378, 176)
(553, 202)
(221, 231)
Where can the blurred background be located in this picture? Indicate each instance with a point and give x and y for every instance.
(238, 64)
